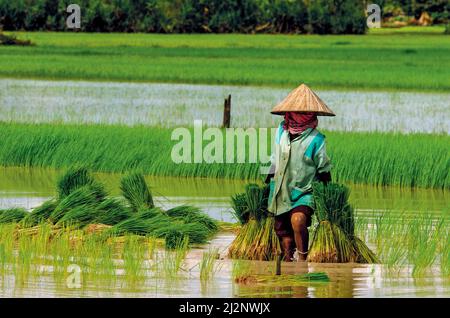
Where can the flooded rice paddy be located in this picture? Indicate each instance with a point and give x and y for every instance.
(170, 105)
(29, 187)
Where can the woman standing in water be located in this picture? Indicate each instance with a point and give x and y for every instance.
(299, 159)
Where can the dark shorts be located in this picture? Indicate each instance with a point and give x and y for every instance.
(283, 225)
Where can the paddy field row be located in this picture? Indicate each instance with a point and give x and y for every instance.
(413, 160)
(379, 60)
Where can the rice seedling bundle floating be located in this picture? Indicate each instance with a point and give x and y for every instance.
(12, 215)
(79, 216)
(112, 211)
(82, 201)
(191, 214)
(135, 190)
(256, 239)
(130, 226)
(72, 179)
(85, 196)
(334, 239)
(39, 214)
(196, 233)
(284, 280)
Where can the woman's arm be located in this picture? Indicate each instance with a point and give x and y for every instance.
(323, 164)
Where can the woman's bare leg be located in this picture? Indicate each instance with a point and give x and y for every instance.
(287, 244)
(301, 234)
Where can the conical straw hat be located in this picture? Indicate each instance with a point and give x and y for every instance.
(302, 100)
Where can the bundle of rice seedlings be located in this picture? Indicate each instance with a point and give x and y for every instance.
(331, 201)
(191, 214)
(79, 216)
(196, 233)
(112, 211)
(334, 240)
(73, 179)
(130, 226)
(239, 205)
(292, 280)
(323, 248)
(12, 215)
(84, 196)
(135, 190)
(39, 214)
(256, 239)
(137, 224)
(149, 213)
(156, 223)
(363, 254)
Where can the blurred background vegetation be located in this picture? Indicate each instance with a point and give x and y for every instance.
(219, 16)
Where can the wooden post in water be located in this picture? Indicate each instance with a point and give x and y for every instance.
(278, 265)
(227, 112)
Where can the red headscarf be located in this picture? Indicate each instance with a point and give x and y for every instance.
(296, 123)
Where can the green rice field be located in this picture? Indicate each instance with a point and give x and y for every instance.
(413, 160)
(140, 224)
(381, 60)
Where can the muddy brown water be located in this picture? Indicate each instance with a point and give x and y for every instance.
(30, 187)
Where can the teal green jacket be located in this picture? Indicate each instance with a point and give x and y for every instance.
(296, 164)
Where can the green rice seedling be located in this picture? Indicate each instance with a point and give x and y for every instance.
(41, 240)
(86, 255)
(60, 255)
(423, 243)
(323, 247)
(73, 179)
(265, 244)
(149, 213)
(12, 215)
(344, 247)
(384, 158)
(130, 226)
(364, 254)
(173, 239)
(24, 259)
(191, 214)
(445, 256)
(290, 280)
(256, 200)
(332, 205)
(142, 226)
(336, 227)
(133, 257)
(174, 258)
(39, 214)
(6, 246)
(79, 216)
(135, 190)
(196, 232)
(256, 239)
(208, 265)
(84, 196)
(151, 247)
(239, 205)
(112, 211)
